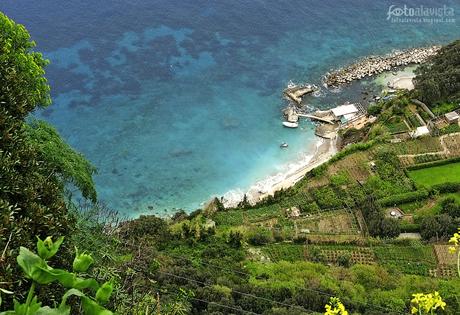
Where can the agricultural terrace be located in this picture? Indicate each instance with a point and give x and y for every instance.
(325, 217)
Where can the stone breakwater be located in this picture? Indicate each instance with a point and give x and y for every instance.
(377, 64)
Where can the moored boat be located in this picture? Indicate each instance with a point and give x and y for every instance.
(290, 124)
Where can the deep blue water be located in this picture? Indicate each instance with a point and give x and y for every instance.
(175, 101)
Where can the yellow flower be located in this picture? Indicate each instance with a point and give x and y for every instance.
(335, 307)
(426, 303)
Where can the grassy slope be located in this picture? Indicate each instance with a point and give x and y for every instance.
(436, 175)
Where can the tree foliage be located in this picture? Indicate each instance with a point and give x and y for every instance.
(34, 162)
(439, 79)
(23, 86)
(70, 165)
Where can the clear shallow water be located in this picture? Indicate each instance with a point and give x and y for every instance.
(175, 101)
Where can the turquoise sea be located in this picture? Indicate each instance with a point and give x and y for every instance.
(176, 101)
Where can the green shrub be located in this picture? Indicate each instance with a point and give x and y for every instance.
(344, 260)
(446, 187)
(326, 198)
(406, 227)
(316, 255)
(433, 163)
(450, 206)
(259, 236)
(439, 227)
(404, 198)
(375, 109)
(235, 239)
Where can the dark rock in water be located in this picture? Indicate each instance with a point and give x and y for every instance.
(150, 207)
(180, 152)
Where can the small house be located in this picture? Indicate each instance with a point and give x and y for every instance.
(452, 117)
(293, 212)
(345, 112)
(420, 132)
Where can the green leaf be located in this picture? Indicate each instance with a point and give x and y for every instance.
(81, 284)
(67, 279)
(34, 306)
(63, 308)
(47, 248)
(104, 293)
(92, 308)
(24, 309)
(29, 262)
(38, 270)
(69, 293)
(53, 311)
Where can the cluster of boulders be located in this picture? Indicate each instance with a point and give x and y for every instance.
(378, 64)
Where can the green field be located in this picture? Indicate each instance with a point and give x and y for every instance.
(437, 174)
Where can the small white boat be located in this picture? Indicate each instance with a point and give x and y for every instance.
(290, 124)
(284, 145)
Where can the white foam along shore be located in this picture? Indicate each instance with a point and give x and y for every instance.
(325, 149)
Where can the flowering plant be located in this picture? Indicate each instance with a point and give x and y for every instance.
(335, 307)
(426, 303)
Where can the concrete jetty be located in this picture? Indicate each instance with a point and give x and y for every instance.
(318, 118)
(377, 64)
(296, 92)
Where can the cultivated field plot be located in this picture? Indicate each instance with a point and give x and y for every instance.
(263, 213)
(229, 218)
(444, 271)
(331, 222)
(241, 217)
(416, 252)
(287, 252)
(355, 165)
(452, 143)
(436, 174)
(417, 146)
(407, 160)
(316, 182)
(301, 200)
(360, 255)
(417, 259)
(443, 256)
(396, 125)
(337, 239)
